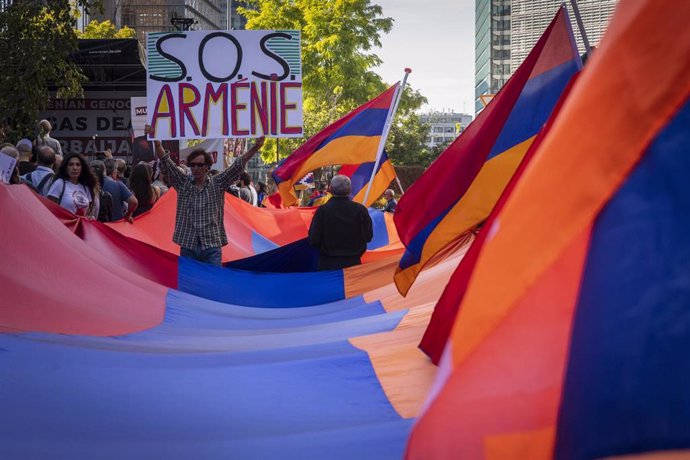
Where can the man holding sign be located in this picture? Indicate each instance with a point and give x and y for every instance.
(199, 228)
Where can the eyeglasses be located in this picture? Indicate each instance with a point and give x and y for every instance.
(196, 165)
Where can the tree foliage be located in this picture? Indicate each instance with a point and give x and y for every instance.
(36, 41)
(338, 39)
(105, 29)
(407, 140)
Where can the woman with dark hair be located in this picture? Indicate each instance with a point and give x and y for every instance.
(75, 187)
(140, 183)
(104, 199)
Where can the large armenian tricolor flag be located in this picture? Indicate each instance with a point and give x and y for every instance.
(111, 347)
(353, 139)
(572, 338)
(460, 188)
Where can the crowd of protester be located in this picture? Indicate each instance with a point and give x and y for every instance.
(110, 190)
(106, 190)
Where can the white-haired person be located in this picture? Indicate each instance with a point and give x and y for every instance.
(391, 203)
(341, 228)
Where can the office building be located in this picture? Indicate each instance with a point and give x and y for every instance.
(492, 47)
(236, 20)
(507, 30)
(157, 15)
(444, 126)
(529, 18)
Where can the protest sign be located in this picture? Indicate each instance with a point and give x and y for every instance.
(138, 115)
(7, 164)
(219, 84)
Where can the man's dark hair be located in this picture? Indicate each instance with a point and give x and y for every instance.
(109, 166)
(200, 152)
(86, 177)
(46, 156)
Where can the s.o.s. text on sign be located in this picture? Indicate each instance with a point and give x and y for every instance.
(215, 84)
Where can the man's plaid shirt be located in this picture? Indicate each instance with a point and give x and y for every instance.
(200, 210)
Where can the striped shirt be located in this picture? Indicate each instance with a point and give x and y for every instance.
(199, 219)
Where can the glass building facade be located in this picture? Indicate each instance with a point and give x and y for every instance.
(492, 47)
(531, 17)
(507, 30)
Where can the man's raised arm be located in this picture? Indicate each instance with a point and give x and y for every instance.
(227, 177)
(175, 176)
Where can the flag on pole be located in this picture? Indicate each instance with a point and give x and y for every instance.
(460, 188)
(353, 139)
(360, 175)
(306, 182)
(571, 340)
(446, 309)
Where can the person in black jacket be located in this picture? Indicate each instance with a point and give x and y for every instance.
(341, 228)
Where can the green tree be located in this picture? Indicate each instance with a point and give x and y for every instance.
(338, 37)
(105, 29)
(407, 140)
(36, 41)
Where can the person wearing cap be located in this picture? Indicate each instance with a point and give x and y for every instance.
(44, 138)
(24, 163)
(341, 228)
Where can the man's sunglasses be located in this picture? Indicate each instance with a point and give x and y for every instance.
(197, 165)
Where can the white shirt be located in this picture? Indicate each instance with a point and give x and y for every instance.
(76, 197)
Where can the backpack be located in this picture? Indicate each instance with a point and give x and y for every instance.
(29, 181)
(105, 211)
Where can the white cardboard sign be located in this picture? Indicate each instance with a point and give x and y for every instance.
(220, 84)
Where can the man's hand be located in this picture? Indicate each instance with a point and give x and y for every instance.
(108, 153)
(147, 129)
(160, 151)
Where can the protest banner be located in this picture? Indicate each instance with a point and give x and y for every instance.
(219, 84)
(93, 124)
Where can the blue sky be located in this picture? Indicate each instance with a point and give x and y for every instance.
(436, 40)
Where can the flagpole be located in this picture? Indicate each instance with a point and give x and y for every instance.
(397, 180)
(581, 26)
(386, 130)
